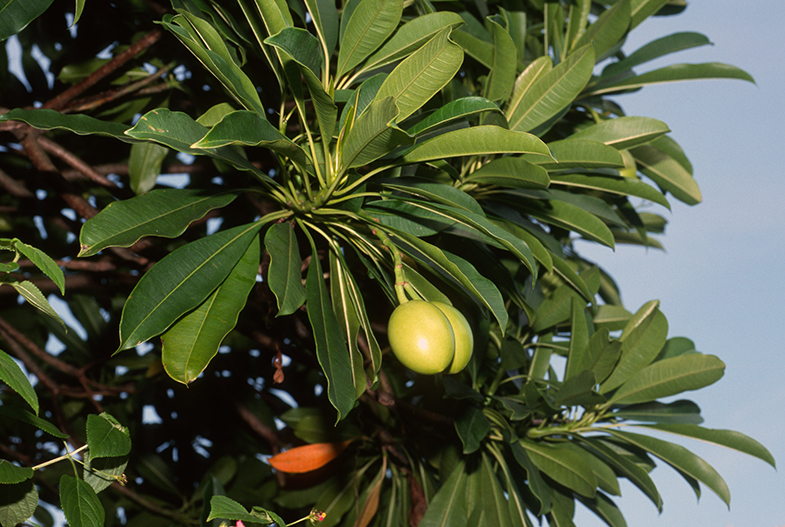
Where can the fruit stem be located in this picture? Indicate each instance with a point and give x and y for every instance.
(400, 280)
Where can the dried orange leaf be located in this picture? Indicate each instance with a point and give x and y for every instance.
(306, 458)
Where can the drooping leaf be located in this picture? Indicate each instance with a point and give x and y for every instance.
(472, 426)
(144, 165)
(325, 19)
(11, 474)
(18, 502)
(14, 412)
(679, 458)
(45, 119)
(331, 348)
(14, 377)
(100, 473)
(191, 343)
(346, 312)
(81, 506)
(677, 412)
(448, 506)
(36, 298)
(44, 262)
(656, 49)
(181, 281)
(622, 186)
(165, 212)
(661, 160)
(421, 75)
(284, 275)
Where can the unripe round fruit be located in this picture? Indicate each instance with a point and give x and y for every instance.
(462, 334)
(421, 337)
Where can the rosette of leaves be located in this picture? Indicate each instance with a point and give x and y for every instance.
(464, 150)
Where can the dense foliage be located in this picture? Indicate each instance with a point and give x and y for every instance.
(246, 191)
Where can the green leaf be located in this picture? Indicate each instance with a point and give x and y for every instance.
(726, 438)
(602, 354)
(563, 465)
(81, 506)
(331, 348)
(672, 73)
(43, 262)
(15, 378)
(454, 110)
(23, 415)
(679, 458)
(477, 140)
(35, 298)
(106, 437)
(448, 507)
(642, 339)
(144, 165)
(410, 37)
(541, 489)
(604, 508)
(501, 76)
(643, 9)
(538, 67)
(611, 317)
(166, 213)
(421, 75)
(44, 119)
(677, 412)
(605, 33)
(284, 275)
(192, 342)
(580, 153)
(17, 503)
(369, 25)
(656, 49)
(346, 313)
(458, 271)
(492, 497)
(248, 128)
(662, 161)
(510, 172)
(180, 282)
(472, 426)
(438, 192)
(326, 22)
(373, 135)
(178, 131)
(553, 91)
(579, 390)
(622, 186)
(570, 217)
(100, 473)
(624, 132)
(14, 17)
(11, 474)
(670, 377)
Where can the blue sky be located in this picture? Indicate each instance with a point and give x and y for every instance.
(719, 282)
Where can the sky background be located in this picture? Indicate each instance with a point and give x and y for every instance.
(720, 281)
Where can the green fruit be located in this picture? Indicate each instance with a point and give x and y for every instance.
(462, 334)
(421, 337)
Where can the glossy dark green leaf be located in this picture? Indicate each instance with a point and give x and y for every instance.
(448, 507)
(438, 192)
(331, 348)
(462, 108)
(226, 508)
(248, 128)
(326, 21)
(144, 165)
(166, 213)
(726, 438)
(672, 73)
(180, 282)
(15, 378)
(605, 33)
(191, 343)
(656, 49)
(580, 153)
(563, 465)
(570, 217)
(106, 437)
(36, 298)
(679, 458)
(14, 412)
(472, 426)
(677, 412)
(541, 489)
(579, 390)
(606, 509)
(501, 76)
(369, 25)
(602, 354)
(553, 91)
(81, 506)
(421, 75)
(669, 377)
(410, 37)
(642, 339)
(43, 261)
(510, 172)
(622, 186)
(660, 161)
(11, 474)
(494, 502)
(285, 274)
(16, 14)
(477, 140)
(44, 119)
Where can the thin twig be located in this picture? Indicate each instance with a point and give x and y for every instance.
(75, 162)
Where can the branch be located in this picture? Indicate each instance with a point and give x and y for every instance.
(75, 162)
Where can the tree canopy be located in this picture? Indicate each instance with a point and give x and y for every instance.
(271, 262)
